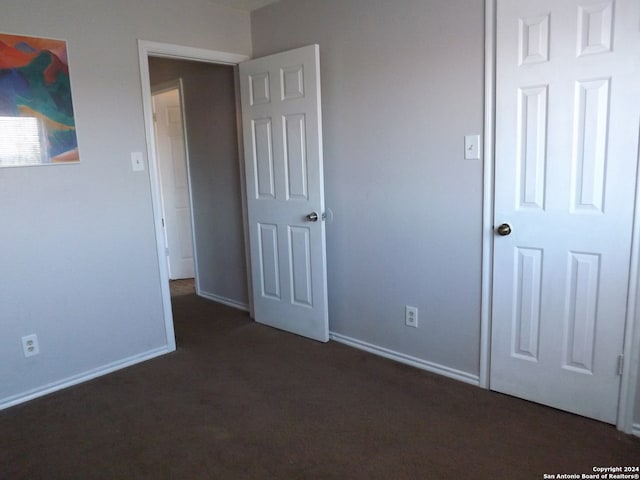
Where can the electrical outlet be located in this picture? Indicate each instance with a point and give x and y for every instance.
(411, 316)
(30, 345)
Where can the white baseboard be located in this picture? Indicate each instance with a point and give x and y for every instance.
(80, 378)
(407, 359)
(223, 300)
(635, 429)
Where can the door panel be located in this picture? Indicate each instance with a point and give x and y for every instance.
(269, 262)
(300, 264)
(283, 160)
(172, 162)
(295, 159)
(567, 122)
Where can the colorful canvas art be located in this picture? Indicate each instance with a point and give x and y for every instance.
(37, 125)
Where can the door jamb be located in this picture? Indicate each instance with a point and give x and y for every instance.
(147, 49)
(487, 191)
(630, 381)
(631, 361)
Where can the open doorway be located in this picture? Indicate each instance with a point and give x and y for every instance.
(213, 172)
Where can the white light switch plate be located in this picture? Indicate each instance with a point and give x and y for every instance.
(472, 147)
(137, 163)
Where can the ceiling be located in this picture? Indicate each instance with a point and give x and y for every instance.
(246, 5)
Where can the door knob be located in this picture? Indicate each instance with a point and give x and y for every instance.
(312, 217)
(504, 229)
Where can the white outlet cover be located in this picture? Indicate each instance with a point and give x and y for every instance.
(472, 147)
(411, 316)
(137, 162)
(30, 345)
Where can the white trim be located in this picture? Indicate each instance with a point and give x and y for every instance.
(156, 195)
(167, 50)
(635, 429)
(406, 359)
(223, 300)
(631, 368)
(487, 191)
(243, 190)
(81, 378)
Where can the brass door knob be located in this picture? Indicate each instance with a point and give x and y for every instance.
(504, 229)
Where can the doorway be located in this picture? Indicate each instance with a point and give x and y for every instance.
(209, 104)
(284, 176)
(171, 147)
(217, 196)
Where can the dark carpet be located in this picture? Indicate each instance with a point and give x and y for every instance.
(241, 400)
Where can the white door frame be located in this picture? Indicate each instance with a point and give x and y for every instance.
(148, 49)
(631, 361)
(156, 90)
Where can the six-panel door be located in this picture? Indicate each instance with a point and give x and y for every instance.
(567, 110)
(284, 179)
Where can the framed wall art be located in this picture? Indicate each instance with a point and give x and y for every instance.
(37, 125)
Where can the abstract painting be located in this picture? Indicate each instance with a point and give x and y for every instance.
(37, 125)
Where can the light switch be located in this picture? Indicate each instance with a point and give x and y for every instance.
(472, 147)
(137, 163)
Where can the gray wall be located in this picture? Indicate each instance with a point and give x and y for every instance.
(77, 252)
(402, 83)
(210, 111)
(401, 86)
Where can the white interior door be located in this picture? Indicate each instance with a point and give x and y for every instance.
(172, 162)
(281, 120)
(567, 121)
